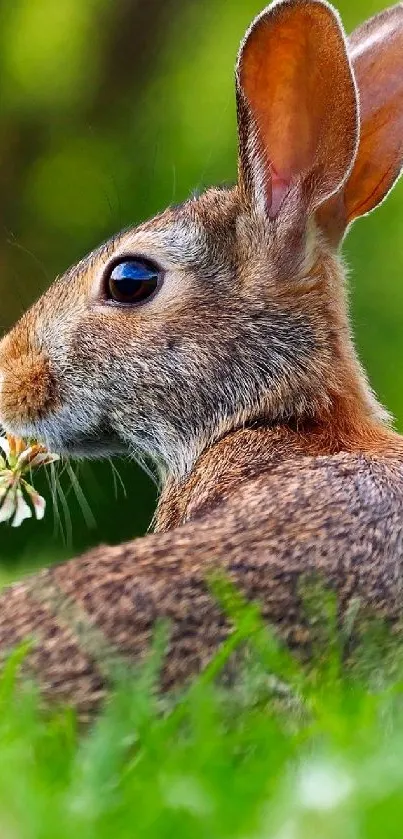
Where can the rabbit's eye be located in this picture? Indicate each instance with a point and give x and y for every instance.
(132, 281)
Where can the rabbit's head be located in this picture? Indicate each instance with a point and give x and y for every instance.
(228, 309)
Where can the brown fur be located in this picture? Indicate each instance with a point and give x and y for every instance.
(28, 388)
(239, 379)
(264, 534)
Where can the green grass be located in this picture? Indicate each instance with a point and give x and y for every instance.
(289, 751)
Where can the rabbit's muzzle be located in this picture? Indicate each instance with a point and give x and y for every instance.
(28, 390)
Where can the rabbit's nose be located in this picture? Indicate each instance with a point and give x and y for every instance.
(1, 387)
(28, 389)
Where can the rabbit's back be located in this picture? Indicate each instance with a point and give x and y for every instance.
(337, 519)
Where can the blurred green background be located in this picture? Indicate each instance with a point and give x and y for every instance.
(111, 109)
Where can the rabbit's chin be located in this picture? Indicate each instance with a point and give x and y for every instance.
(93, 444)
(95, 449)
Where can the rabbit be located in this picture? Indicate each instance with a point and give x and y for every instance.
(215, 340)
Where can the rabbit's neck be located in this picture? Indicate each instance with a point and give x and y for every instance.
(244, 454)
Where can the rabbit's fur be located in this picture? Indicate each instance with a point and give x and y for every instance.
(231, 339)
(239, 378)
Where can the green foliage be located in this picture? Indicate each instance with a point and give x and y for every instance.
(288, 751)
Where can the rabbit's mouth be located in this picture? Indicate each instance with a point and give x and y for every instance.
(58, 433)
(32, 406)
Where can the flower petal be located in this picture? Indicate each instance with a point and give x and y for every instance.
(43, 459)
(22, 509)
(7, 507)
(5, 445)
(24, 458)
(39, 503)
(17, 445)
(6, 481)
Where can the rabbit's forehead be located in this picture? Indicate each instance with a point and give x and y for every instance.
(178, 242)
(195, 233)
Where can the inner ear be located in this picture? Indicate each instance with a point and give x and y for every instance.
(297, 105)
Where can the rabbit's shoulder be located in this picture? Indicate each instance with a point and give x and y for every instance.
(345, 506)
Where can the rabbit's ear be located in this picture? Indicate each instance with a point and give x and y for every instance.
(297, 107)
(376, 52)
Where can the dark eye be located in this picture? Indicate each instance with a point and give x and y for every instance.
(132, 281)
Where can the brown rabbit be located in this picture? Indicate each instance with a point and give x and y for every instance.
(215, 339)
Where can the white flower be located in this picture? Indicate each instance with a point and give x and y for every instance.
(5, 445)
(22, 511)
(39, 503)
(7, 506)
(323, 786)
(15, 492)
